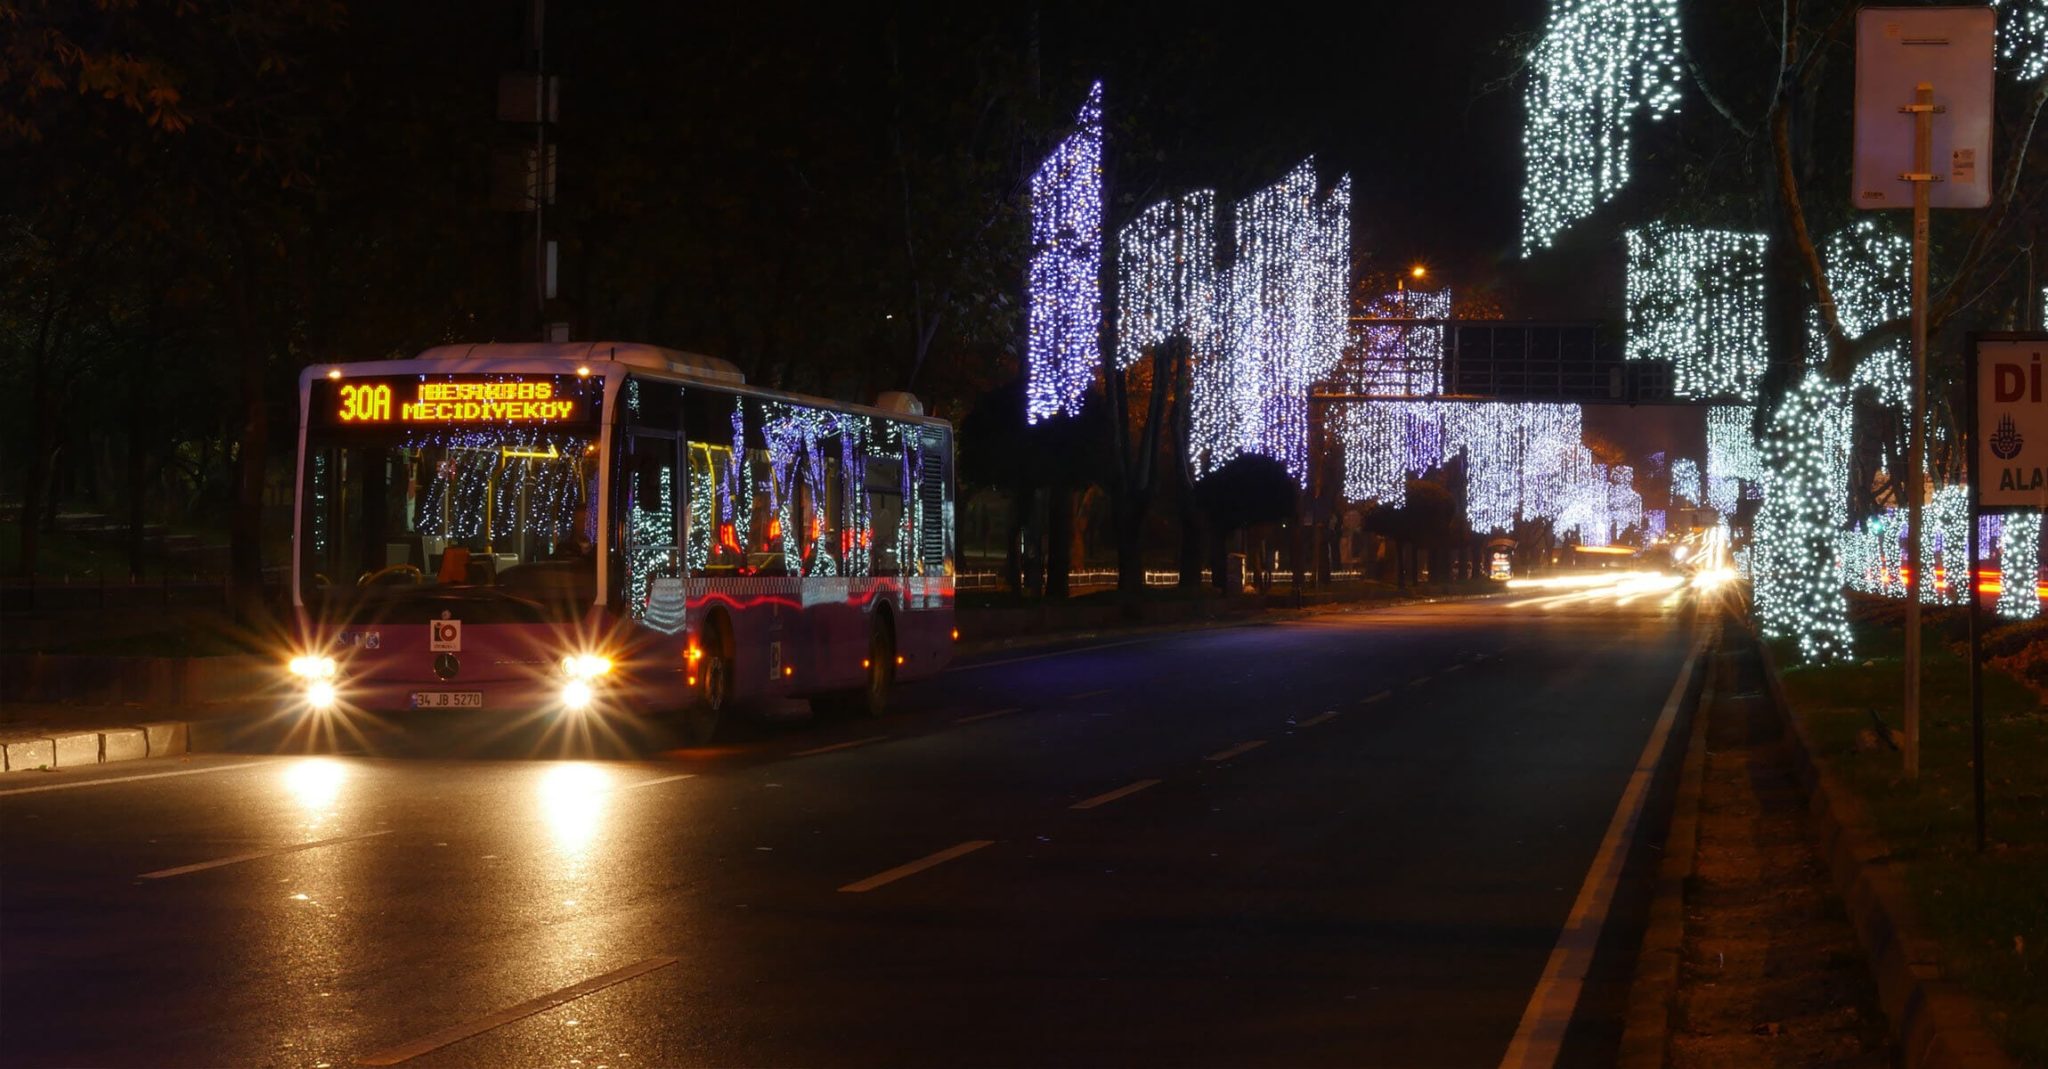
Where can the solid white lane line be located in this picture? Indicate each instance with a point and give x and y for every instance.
(254, 855)
(1319, 718)
(1541, 1032)
(1242, 747)
(1090, 694)
(411, 1049)
(839, 746)
(988, 716)
(917, 866)
(1380, 697)
(658, 782)
(1110, 796)
(132, 779)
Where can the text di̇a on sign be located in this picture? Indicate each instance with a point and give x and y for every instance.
(455, 402)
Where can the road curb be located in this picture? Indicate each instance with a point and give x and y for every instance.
(1934, 1021)
(1653, 993)
(84, 747)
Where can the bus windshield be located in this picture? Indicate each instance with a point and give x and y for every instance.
(388, 510)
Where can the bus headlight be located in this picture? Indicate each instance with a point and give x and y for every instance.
(315, 668)
(577, 695)
(586, 666)
(320, 696)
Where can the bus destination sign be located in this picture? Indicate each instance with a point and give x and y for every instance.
(415, 400)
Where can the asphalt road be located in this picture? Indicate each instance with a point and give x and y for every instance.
(1348, 839)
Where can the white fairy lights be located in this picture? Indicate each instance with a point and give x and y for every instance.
(1696, 299)
(1795, 568)
(1166, 277)
(1599, 64)
(1732, 456)
(1065, 315)
(1685, 483)
(1867, 267)
(1284, 313)
(2019, 565)
(2023, 37)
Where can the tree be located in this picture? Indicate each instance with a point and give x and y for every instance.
(1246, 491)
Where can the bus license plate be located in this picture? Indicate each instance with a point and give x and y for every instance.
(447, 699)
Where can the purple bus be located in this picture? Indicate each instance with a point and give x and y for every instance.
(581, 529)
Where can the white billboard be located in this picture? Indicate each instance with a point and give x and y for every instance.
(1951, 49)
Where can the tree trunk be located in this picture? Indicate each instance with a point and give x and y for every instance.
(245, 519)
(1059, 541)
(1013, 545)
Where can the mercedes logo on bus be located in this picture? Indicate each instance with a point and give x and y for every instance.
(445, 665)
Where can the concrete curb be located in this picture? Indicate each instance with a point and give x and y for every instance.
(1933, 1019)
(1653, 994)
(80, 748)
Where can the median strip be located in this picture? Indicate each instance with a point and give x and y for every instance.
(1242, 747)
(256, 855)
(1110, 796)
(917, 866)
(405, 1052)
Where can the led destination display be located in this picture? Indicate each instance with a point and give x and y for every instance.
(445, 399)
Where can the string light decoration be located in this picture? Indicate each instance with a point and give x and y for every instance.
(1520, 458)
(1732, 456)
(1285, 313)
(2023, 37)
(1796, 572)
(1944, 549)
(1867, 265)
(1624, 504)
(1065, 313)
(1166, 277)
(1696, 299)
(2019, 565)
(1685, 482)
(1873, 555)
(1599, 64)
(1653, 524)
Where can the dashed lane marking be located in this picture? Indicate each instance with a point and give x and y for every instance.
(1090, 694)
(987, 716)
(1242, 747)
(407, 1051)
(917, 866)
(659, 781)
(1420, 680)
(132, 779)
(1452, 668)
(838, 746)
(1380, 697)
(1319, 718)
(1110, 796)
(255, 855)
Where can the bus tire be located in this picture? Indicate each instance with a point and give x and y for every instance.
(714, 686)
(873, 697)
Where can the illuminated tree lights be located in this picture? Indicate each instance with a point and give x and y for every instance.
(1065, 314)
(1794, 565)
(1523, 462)
(1166, 277)
(1406, 358)
(2023, 37)
(1283, 306)
(1685, 483)
(1598, 65)
(1732, 456)
(1696, 299)
(2019, 565)
(1867, 267)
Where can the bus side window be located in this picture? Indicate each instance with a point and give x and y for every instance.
(885, 500)
(720, 502)
(651, 497)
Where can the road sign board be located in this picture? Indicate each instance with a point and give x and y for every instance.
(1897, 49)
(2009, 432)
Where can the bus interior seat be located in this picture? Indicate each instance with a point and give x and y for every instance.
(454, 566)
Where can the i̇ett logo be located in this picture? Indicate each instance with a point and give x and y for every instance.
(2006, 440)
(444, 636)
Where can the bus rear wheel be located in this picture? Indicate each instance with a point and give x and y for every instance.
(871, 698)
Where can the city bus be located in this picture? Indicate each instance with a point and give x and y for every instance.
(578, 529)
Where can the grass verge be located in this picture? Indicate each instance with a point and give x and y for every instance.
(1989, 911)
